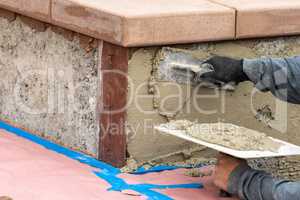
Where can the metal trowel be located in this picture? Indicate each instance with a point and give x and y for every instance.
(181, 66)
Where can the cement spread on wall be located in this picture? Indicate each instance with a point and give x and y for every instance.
(48, 85)
(160, 101)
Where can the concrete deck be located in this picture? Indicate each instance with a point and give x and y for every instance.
(146, 22)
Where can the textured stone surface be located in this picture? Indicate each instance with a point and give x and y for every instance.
(49, 85)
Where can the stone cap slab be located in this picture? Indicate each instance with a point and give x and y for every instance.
(258, 18)
(159, 22)
(135, 22)
(146, 22)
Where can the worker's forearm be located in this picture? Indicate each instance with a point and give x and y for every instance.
(279, 76)
(251, 184)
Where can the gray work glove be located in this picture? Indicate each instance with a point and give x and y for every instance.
(226, 70)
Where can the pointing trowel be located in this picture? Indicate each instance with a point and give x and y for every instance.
(183, 67)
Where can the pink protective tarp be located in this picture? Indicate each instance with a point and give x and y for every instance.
(29, 171)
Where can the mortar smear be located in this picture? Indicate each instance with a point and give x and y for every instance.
(196, 172)
(227, 135)
(168, 160)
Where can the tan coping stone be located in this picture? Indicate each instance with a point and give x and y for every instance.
(159, 22)
(146, 22)
(86, 19)
(38, 9)
(258, 18)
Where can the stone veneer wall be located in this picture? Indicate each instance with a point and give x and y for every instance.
(49, 80)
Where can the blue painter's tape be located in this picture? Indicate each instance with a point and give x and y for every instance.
(161, 168)
(107, 172)
(176, 186)
(152, 195)
(118, 184)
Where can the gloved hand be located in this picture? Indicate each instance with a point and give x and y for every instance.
(225, 70)
(226, 165)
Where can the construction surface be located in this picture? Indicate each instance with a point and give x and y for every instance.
(31, 172)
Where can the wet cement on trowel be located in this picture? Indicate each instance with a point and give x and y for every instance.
(227, 135)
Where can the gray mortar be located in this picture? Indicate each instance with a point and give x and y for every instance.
(39, 72)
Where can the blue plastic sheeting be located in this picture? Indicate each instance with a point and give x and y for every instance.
(106, 171)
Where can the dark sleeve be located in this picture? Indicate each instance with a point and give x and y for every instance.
(249, 184)
(281, 76)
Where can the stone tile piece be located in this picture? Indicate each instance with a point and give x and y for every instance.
(38, 9)
(257, 18)
(146, 22)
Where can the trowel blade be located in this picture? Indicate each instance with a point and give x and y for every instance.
(183, 67)
(178, 60)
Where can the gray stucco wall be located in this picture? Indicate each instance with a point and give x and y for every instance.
(48, 84)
